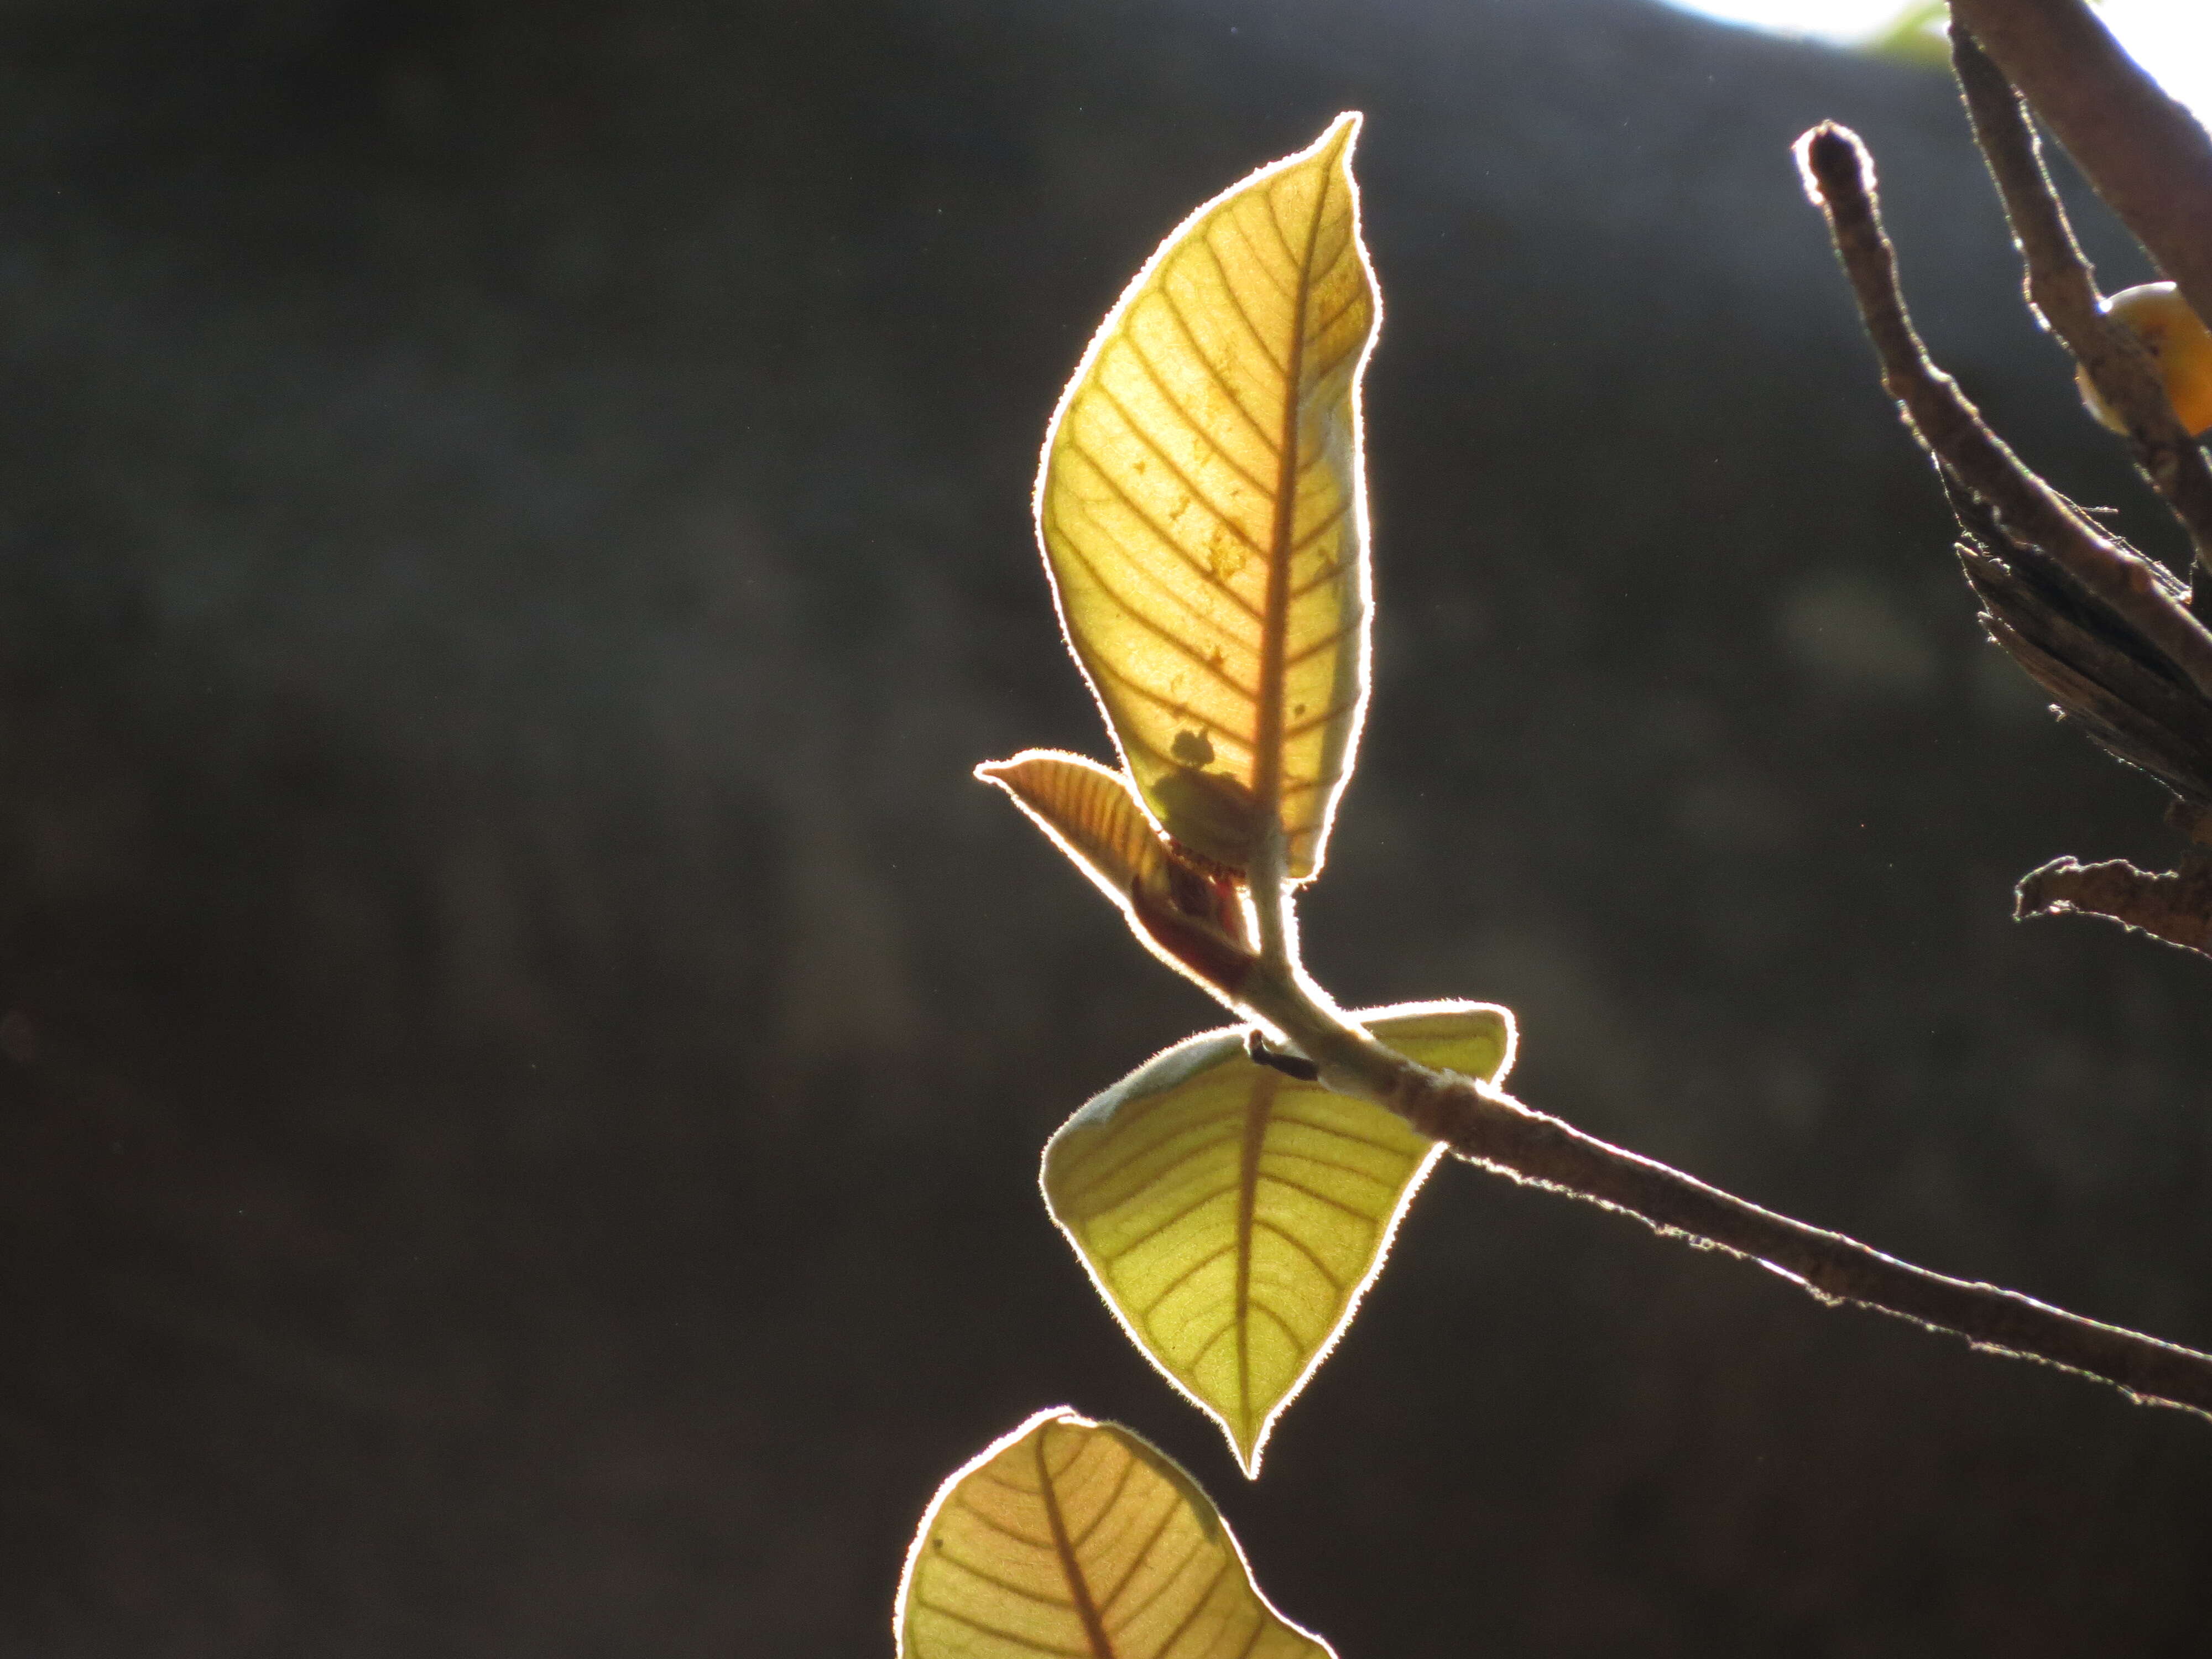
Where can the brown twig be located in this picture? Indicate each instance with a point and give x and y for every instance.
(1838, 176)
(2061, 289)
(1488, 1126)
(2176, 906)
(2149, 157)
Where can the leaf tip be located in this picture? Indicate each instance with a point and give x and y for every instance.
(1337, 142)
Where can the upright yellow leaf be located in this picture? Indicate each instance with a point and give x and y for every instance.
(1232, 1217)
(1203, 512)
(1073, 1540)
(1191, 918)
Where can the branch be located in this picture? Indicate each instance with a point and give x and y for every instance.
(1487, 1126)
(2063, 290)
(2175, 906)
(1838, 176)
(2146, 156)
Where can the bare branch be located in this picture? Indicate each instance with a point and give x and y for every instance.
(2176, 906)
(1838, 176)
(1488, 1126)
(2063, 290)
(2149, 157)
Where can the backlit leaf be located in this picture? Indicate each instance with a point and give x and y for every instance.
(1203, 512)
(1075, 1540)
(1232, 1216)
(1192, 917)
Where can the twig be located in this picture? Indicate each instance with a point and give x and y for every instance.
(2176, 906)
(2063, 290)
(1838, 175)
(1488, 1126)
(2146, 156)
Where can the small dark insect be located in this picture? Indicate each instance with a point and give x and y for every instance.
(1297, 1066)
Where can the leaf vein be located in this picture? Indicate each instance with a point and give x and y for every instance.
(1152, 441)
(1158, 1227)
(1078, 1585)
(1015, 1636)
(1143, 517)
(1299, 728)
(1305, 1250)
(1093, 1180)
(1000, 1527)
(1315, 646)
(1152, 373)
(1259, 1105)
(1180, 1279)
(1005, 1585)
(1290, 253)
(1259, 260)
(1160, 700)
(1137, 1560)
(1175, 1637)
(1168, 1572)
(1106, 1509)
(1314, 532)
(1251, 323)
(1151, 624)
(1318, 1197)
(1358, 293)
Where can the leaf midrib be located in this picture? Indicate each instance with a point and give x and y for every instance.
(1258, 1108)
(1078, 1587)
(1267, 762)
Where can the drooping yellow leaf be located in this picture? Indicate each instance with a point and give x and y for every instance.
(1192, 917)
(1232, 1217)
(1073, 1540)
(1203, 512)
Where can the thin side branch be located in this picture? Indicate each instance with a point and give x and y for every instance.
(2063, 290)
(2149, 158)
(2175, 906)
(1488, 1126)
(1839, 176)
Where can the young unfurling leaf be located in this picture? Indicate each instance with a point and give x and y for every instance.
(1190, 916)
(1202, 511)
(1073, 1540)
(1233, 1216)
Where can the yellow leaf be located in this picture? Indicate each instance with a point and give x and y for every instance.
(1232, 1217)
(1203, 512)
(1192, 917)
(1078, 1539)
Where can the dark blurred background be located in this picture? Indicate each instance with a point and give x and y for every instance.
(523, 1052)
